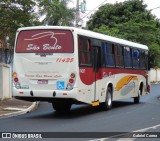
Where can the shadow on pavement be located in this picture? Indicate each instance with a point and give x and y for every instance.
(78, 111)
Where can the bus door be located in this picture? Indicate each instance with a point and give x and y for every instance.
(96, 57)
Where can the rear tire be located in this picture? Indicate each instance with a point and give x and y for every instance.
(137, 99)
(61, 107)
(107, 105)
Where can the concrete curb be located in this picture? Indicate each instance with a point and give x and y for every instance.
(27, 110)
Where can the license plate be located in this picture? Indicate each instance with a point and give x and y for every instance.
(42, 81)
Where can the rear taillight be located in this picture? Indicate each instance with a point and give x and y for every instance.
(14, 75)
(72, 75)
(148, 88)
(71, 81)
(16, 80)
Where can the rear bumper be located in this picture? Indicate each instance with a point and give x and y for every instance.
(43, 95)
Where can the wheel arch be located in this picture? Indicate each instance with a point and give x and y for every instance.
(106, 104)
(110, 85)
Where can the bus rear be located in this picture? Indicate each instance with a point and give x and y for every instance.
(44, 65)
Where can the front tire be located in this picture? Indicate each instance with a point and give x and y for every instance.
(107, 105)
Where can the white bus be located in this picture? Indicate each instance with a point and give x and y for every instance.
(67, 65)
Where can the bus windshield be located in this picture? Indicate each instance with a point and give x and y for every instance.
(45, 41)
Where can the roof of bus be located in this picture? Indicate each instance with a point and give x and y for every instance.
(92, 35)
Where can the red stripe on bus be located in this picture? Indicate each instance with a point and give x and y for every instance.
(87, 75)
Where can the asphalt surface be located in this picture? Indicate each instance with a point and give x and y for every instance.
(124, 117)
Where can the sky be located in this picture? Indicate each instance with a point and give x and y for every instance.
(92, 4)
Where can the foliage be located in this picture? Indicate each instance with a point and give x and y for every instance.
(21, 13)
(14, 14)
(132, 21)
(57, 12)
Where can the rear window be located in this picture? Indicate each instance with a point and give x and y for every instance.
(44, 41)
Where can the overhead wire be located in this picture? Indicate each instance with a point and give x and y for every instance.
(104, 2)
(154, 8)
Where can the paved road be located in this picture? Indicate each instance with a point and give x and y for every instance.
(124, 117)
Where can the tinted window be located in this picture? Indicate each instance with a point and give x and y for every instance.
(42, 41)
(84, 46)
(108, 54)
(135, 57)
(119, 56)
(127, 57)
(142, 60)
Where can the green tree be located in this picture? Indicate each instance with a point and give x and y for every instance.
(57, 12)
(14, 14)
(132, 21)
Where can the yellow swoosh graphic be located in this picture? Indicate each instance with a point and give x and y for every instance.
(124, 81)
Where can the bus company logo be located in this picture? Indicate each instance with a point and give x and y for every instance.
(110, 75)
(43, 40)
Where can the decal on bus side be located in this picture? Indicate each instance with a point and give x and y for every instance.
(110, 75)
(124, 81)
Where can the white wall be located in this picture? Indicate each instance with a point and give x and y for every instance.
(154, 75)
(5, 91)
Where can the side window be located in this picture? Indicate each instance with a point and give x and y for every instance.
(142, 60)
(84, 46)
(135, 57)
(119, 56)
(146, 60)
(104, 54)
(108, 49)
(127, 57)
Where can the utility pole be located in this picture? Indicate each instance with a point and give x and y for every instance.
(77, 13)
(80, 8)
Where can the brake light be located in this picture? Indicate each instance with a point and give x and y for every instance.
(71, 81)
(148, 88)
(16, 79)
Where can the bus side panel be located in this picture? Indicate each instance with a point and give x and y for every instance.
(125, 85)
(86, 85)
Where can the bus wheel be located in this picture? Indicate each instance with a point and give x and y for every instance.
(137, 99)
(61, 107)
(107, 105)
